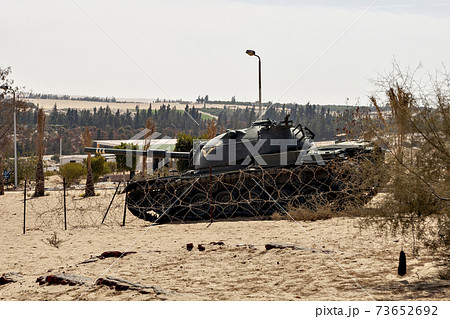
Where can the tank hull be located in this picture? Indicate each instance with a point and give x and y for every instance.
(256, 191)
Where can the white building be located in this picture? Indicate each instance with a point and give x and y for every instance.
(79, 158)
(156, 144)
(167, 144)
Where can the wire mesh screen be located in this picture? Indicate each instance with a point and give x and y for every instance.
(47, 212)
(254, 192)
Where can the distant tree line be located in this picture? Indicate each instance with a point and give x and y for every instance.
(106, 124)
(68, 97)
(205, 99)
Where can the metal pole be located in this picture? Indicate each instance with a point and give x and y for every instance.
(24, 204)
(104, 217)
(65, 216)
(15, 141)
(60, 143)
(210, 195)
(125, 206)
(259, 74)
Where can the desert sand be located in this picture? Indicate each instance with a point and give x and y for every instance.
(338, 260)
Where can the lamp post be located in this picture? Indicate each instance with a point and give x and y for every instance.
(60, 143)
(253, 53)
(10, 89)
(59, 128)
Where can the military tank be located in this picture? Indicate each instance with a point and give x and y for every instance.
(268, 167)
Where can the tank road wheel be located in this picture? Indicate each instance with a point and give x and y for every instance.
(283, 179)
(198, 206)
(225, 203)
(161, 203)
(251, 203)
(285, 196)
(270, 202)
(296, 183)
(139, 205)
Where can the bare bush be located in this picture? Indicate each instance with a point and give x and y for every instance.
(412, 121)
(54, 240)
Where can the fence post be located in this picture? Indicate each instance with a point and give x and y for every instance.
(210, 195)
(65, 216)
(117, 188)
(125, 206)
(24, 204)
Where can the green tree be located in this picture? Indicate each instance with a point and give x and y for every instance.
(54, 115)
(55, 158)
(26, 168)
(121, 160)
(72, 172)
(99, 166)
(185, 143)
(112, 166)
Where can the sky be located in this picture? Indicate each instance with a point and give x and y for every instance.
(322, 51)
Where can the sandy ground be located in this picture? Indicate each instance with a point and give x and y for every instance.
(360, 265)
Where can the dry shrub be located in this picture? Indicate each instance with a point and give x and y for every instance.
(445, 274)
(54, 240)
(307, 214)
(351, 184)
(211, 129)
(415, 129)
(277, 216)
(321, 212)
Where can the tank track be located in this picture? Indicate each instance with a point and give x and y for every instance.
(250, 192)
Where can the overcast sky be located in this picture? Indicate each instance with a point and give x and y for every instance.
(197, 47)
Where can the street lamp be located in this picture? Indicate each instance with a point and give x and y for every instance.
(59, 128)
(253, 53)
(7, 88)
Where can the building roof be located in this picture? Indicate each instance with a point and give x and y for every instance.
(167, 144)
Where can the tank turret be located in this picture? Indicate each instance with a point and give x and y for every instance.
(253, 145)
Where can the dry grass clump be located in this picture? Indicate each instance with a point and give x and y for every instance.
(307, 214)
(54, 240)
(322, 212)
(445, 273)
